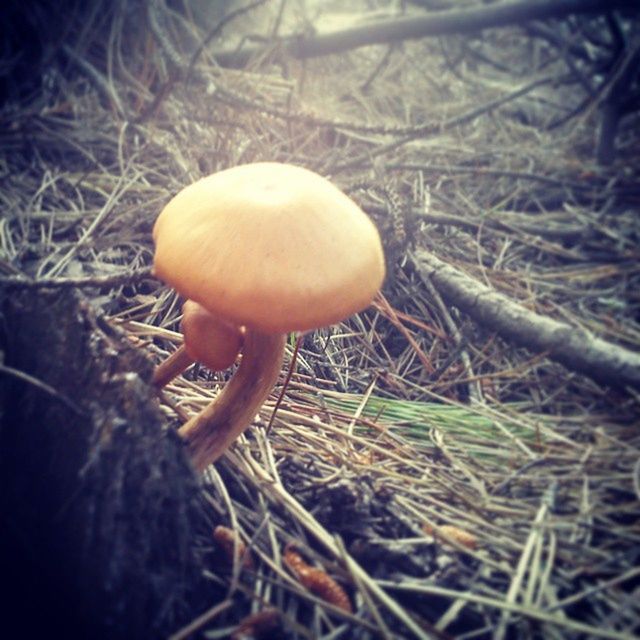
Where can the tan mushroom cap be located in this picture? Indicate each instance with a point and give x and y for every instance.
(271, 246)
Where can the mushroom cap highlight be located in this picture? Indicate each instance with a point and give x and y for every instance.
(271, 246)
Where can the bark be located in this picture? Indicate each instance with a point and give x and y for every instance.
(420, 26)
(575, 348)
(100, 508)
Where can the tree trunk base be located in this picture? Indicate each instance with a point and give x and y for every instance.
(100, 508)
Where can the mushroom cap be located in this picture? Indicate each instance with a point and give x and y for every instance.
(271, 246)
(207, 339)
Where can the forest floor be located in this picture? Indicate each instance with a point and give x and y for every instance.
(456, 479)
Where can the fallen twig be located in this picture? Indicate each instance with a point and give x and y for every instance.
(574, 347)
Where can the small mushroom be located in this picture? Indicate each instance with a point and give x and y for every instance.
(272, 248)
(207, 339)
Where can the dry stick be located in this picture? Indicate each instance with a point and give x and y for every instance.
(102, 83)
(475, 389)
(180, 69)
(382, 304)
(612, 582)
(539, 615)
(201, 620)
(285, 384)
(221, 488)
(559, 233)
(215, 31)
(115, 280)
(420, 26)
(236, 98)
(574, 347)
(121, 187)
(433, 129)
(617, 91)
(523, 564)
(593, 183)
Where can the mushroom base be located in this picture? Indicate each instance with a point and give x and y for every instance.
(210, 433)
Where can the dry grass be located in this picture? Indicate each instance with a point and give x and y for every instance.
(409, 415)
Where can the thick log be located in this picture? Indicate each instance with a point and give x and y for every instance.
(100, 508)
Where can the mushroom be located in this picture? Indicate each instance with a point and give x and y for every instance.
(272, 248)
(207, 339)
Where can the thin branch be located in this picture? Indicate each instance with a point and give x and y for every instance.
(433, 129)
(215, 31)
(417, 26)
(574, 347)
(117, 280)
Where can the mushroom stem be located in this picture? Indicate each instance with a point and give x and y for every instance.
(173, 366)
(210, 433)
